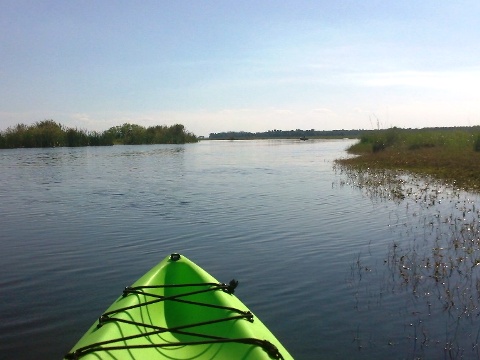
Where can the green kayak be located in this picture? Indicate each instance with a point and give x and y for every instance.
(178, 311)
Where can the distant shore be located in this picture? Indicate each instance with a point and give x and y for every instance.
(286, 134)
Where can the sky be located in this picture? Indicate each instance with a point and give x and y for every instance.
(249, 65)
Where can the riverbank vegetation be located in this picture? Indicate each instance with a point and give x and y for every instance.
(48, 133)
(451, 155)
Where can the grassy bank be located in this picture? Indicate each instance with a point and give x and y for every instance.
(450, 155)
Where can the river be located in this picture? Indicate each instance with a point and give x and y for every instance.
(317, 256)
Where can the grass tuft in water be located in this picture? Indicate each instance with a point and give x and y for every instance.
(432, 262)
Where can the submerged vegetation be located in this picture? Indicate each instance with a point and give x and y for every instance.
(448, 154)
(431, 263)
(48, 133)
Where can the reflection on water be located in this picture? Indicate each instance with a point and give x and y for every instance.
(433, 263)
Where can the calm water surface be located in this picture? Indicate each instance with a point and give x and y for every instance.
(77, 225)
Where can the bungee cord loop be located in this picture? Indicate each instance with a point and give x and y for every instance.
(109, 317)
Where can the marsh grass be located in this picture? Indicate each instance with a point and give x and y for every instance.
(432, 262)
(449, 155)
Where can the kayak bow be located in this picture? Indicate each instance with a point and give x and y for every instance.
(178, 311)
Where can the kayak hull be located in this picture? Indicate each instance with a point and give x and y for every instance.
(178, 311)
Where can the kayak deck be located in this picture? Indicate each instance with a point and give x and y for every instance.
(178, 311)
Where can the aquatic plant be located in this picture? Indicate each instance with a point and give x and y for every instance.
(433, 260)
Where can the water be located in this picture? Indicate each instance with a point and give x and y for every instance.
(79, 224)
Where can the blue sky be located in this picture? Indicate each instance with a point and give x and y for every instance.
(240, 65)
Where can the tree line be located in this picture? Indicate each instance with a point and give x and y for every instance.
(285, 134)
(48, 133)
(339, 134)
